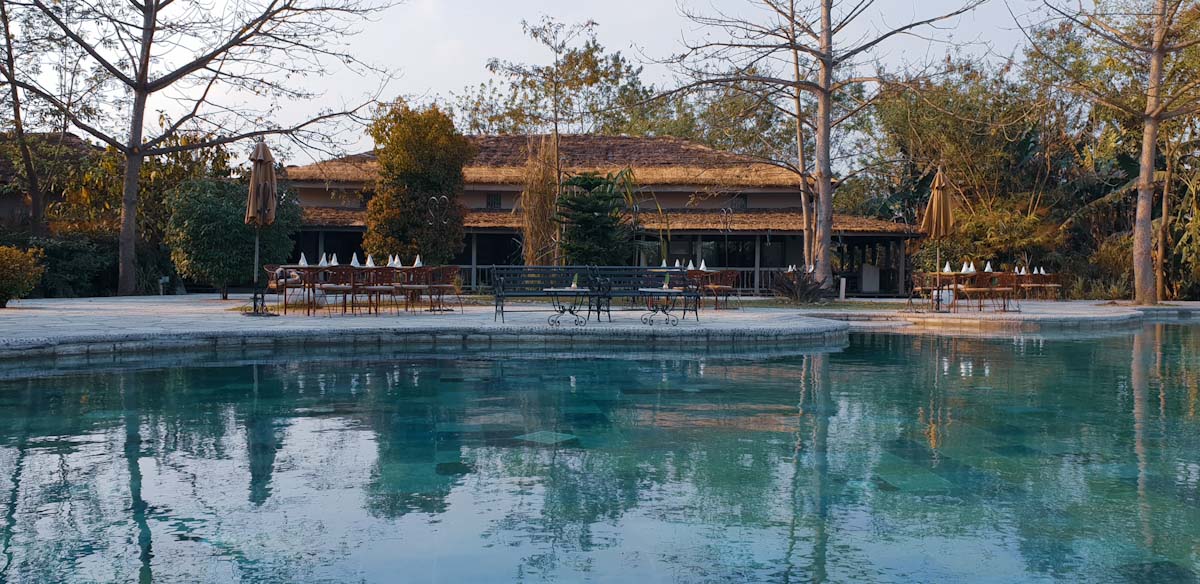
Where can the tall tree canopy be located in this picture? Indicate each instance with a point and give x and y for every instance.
(415, 207)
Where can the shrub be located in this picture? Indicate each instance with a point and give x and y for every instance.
(21, 274)
(210, 241)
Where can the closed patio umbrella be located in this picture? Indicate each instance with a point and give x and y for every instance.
(260, 201)
(938, 222)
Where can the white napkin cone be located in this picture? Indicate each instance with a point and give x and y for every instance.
(418, 263)
(324, 262)
(973, 267)
(691, 266)
(703, 267)
(988, 268)
(664, 263)
(370, 261)
(963, 269)
(333, 259)
(303, 261)
(677, 263)
(354, 259)
(947, 269)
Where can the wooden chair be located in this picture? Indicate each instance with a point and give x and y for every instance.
(278, 282)
(377, 283)
(340, 281)
(721, 286)
(923, 288)
(413, 283)
(444, 280)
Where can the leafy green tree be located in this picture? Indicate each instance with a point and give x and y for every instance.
(415, 208)
(209, 239)
(596, 229)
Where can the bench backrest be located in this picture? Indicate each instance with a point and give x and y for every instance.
(523, 279)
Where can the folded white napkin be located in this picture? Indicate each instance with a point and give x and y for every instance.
(664, 264)
(303, 261)
(972, 268)
(333, 259)
(703, 267)
(370, 261)
(676, 263)
(354, 259)
(963, 269)
(418, 263)
(691, 266)
(324, 262)
(1044, 271)
(988, 268)
(947, 269)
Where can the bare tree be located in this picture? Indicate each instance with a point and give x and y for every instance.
(8, 70)
(1149, 37)
(221, 71)
(550, 80)
(796, 48)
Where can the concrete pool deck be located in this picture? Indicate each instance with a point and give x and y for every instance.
(56, 327)
(87, 326)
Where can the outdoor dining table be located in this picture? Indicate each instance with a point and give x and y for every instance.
(567, 300)
(310, 280)
(661, 301)
(955, 281)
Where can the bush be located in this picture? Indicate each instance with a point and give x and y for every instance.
(21, 274)
(210, 241)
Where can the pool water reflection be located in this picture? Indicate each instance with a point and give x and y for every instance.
(900, 458)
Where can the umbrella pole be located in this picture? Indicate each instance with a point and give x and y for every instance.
(937, 266)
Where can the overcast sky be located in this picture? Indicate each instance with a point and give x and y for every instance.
(440, 46)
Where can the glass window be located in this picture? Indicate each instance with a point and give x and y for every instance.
(494, 202)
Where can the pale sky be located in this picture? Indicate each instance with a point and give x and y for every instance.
(439, 46)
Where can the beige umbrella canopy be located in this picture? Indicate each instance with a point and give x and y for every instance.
(939, 213)
(938, 223)
(260, 204)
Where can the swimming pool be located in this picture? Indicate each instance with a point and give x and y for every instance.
(897, 458)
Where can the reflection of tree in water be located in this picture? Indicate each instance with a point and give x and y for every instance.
(408, 476)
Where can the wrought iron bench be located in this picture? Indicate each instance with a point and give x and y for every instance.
(604, 284)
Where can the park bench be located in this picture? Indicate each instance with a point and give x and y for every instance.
(604, 284)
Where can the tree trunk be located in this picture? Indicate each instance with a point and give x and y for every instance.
(824, 168)
(1160, 260)
(802, 162)
(1144, 291)
(127, 242)
(37, 205)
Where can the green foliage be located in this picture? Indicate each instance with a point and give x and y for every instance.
(599, 92)
(596, 230)
(78, 265)
(421, 157)
(90, 201)
(22, 271)
(209, 239)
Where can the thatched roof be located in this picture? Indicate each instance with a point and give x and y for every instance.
(748, 221)
(656, 161)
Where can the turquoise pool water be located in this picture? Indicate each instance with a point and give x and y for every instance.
(899, 458)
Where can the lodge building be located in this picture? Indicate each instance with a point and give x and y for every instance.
(731, 211)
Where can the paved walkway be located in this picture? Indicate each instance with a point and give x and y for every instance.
(96, 325)
(110, 325)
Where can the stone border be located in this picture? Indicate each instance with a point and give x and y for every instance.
(812, 332)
